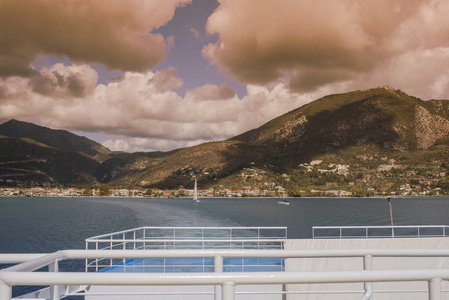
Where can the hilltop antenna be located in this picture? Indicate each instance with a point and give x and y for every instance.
(391, 215)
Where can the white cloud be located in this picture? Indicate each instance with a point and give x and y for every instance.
(212, 92)
(142, 112)
(128, 144)
(422, 73)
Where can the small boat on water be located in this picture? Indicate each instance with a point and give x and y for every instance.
(195, 194)
(284, 201)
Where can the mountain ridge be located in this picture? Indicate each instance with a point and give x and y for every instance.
(60, 139)
(364, 130)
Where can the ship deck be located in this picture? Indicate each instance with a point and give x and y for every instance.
(404, 262)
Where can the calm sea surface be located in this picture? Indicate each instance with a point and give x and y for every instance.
(35, 225)
(50, 224)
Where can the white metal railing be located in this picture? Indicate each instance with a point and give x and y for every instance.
(170, 238)
(22, 274)
(405, 231)
(185, 237)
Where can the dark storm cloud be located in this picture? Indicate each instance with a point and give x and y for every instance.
(113, 33)
(314, 43)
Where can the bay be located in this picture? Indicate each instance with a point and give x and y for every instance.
(42, 225)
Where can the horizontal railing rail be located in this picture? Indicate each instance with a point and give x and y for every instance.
(73, 278)
(22, 274)
(180, 233)
(397, 231)
(190, 240)
(170, 238)
(16, 258)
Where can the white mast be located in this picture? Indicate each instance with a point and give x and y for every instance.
(195, 193)
(391, 216)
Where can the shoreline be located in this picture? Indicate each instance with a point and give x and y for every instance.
(252, 197)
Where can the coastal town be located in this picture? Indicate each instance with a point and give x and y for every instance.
(153, 193)
(278, 191)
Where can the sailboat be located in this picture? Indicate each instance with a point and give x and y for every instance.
(195, 194)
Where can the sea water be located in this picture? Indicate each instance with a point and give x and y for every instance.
(42, 225)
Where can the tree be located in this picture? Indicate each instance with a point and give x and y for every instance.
(294, 193)
(104, 191)
(87, 191)
(357, 193)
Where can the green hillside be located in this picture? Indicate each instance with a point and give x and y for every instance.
(59, 139)
(25, 162)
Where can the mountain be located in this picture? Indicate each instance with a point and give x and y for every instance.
(36, 155)
(362, 132)
(25, 162)
(379, 139)
(383, 117)
(59, 139)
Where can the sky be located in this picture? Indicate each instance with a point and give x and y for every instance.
(157, 75)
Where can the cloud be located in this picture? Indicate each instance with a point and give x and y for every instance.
(195, 33)
(166, 80)
(212, 92)
(142, 112)
(113, 33)
(128, 144)
(422, 73)
(62, 82)
(311, 44)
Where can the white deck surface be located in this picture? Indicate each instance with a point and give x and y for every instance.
(356, 264)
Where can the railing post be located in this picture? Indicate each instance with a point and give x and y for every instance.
(124, 248)
(5, 291)
(86, 260)
(202, 238)
(368, 286)
(435, 289)
(218, 267)
(229, 291)
(134, 239)
(174, 238)
(54, 289)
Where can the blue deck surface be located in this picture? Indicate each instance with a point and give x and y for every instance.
(174, 265)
